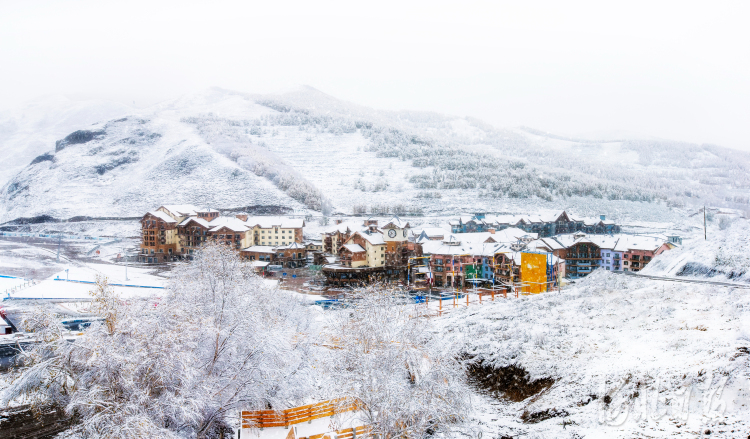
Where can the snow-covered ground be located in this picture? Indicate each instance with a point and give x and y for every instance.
(629, 358)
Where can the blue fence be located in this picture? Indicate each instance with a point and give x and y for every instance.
(114, 285)
(54, 236)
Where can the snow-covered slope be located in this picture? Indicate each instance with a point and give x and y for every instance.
(126, 167)
(29, 131)
(613, 357)
(308, 150)
(724, 257)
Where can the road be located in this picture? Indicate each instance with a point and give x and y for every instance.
(680, 279)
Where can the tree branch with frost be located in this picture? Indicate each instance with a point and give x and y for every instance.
(386, 357)
(219, 340)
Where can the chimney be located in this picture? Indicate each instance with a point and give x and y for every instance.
(241, 216)
(338, 221)
(602, 217)
(491, 230)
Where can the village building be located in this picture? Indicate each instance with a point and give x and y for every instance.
(159, 240)
(334, 237)
(583, 255)
(528, 271)
(637, 251)
(275, 230)
(174, 232)
(192, 233)
(264, 253)
(230, 231)
(449, 259)
(291, 255)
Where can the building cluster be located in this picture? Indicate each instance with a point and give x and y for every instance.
(175, 232)
(531, 253)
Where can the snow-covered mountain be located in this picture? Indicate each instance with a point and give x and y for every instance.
(307, 151)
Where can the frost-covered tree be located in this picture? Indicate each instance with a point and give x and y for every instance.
(219, 340)
(410, 383)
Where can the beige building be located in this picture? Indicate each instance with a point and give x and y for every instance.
(373, 245)
(274, 231)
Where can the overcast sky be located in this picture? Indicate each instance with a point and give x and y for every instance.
(674, 70)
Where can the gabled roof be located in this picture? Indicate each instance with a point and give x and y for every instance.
(372, 238)
(180, 210)
(292, 246)
(231, 223)
(646, 243)
(341, 228)
(199, 221)
(396, 223)
(268, 222)
(162, 216)
(354, 248)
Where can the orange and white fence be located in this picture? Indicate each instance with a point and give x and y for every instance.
(297, 415)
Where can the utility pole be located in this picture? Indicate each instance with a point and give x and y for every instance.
(705, 234)
(125, 256)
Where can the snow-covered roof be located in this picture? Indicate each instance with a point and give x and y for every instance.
(162, 216)
(647, 243)
(179, 210)
(373, 238)
(607, 242)
(199, 221)
(292, 246)
(342, 228)
(549, 244)
(260, 249)
(396, 222)
(259, 263)
(231, 223)
(354, 248)
(461, 248)
(435, 231)
(268, 222)
(517, 255)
